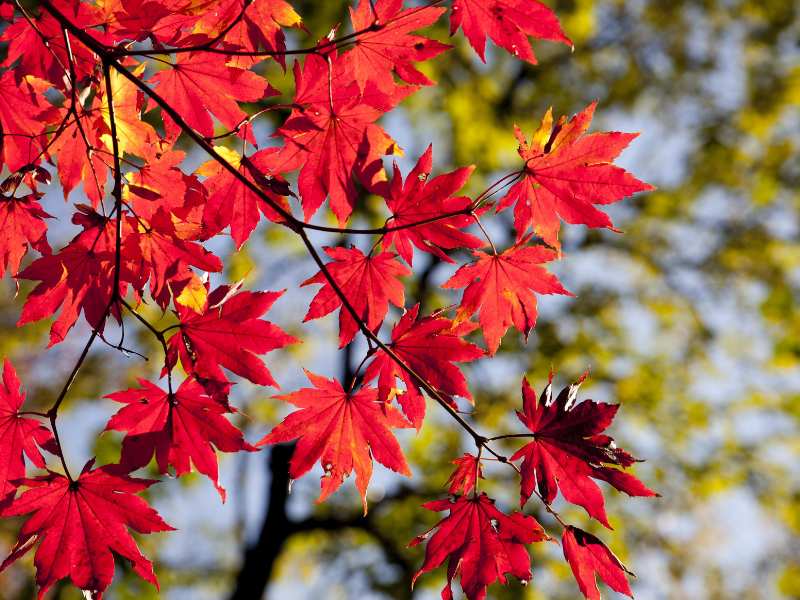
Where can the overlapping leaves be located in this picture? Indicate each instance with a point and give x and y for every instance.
(102, 93)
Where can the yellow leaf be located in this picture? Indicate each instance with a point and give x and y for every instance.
(194, 295)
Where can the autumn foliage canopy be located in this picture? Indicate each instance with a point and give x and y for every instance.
(95, 95)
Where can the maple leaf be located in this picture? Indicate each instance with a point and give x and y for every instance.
(80, 277)
(180, 429)
(134, 19)
(19, 436)
(588, 556)
(569, 449)
(508, 23)
(259, 28)
(22, 123)
(78, 159)
(159, 183)
(198, 84)
(429, 346)
(501, 286)
(566, 172)
(227, 333)
(465, 477)
(37, 47)
(23, 227)
(160, 186)
(420, 199)
(344, 431)
(80, 524)
(482, 544)
(333, 139)
(387, 44)
(231, 203)
(165, 257)
(133, 135)
(370, 283)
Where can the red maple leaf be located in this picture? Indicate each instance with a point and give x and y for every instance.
(198, 85)
(165, 257)
(333, 138)
(501, 286)
(22, 123)
(465, 477)
(19, 436)
(79, 160)
(569, 449)
(159, 183)
(153, 19)
(588, 556)
(160, 186)
(181, 430)
(23, 227)
(387, 44)
(508, 23)
(259, 28)
(343, 431)
(420, 199)
(80, 277)
(227, 332)
(231, 203)
(80, 524)
(368, 282)
(135, 19)
(566, 172)
(482, 544)
(429, 346)
(37, 47)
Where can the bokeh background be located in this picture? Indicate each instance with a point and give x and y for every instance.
(689, 319)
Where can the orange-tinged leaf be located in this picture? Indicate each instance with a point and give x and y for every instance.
(502, 286)
(133, 134)
(199, 85)
(429, 346)
(343, 431)
(78, 161)
(23, 226)
(194, 295)
(566, 173)
(166, 258)
(260, 28)
(369, 283)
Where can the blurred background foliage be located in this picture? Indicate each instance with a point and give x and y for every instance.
(689, 320)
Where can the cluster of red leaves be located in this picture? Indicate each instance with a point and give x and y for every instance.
(79, 93)
(483, 545)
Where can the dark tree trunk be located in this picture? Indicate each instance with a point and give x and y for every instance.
(259, 559)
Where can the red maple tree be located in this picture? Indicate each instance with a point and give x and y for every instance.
(75, 85)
